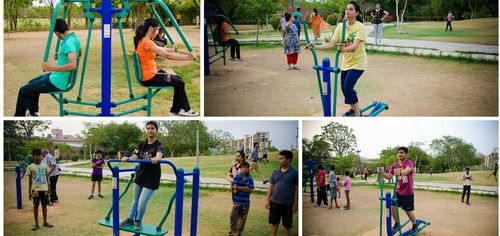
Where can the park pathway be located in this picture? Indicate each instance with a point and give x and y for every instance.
(414, 47)
(67, 168)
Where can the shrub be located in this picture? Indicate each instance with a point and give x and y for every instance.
(75, 158)
(275, 21)
(333, 18)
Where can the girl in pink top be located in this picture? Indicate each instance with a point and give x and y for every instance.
(347, 186)
(339, 186)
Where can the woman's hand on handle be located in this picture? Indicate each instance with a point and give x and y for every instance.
(124, 159)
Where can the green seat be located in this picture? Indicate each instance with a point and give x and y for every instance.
(146, 229)
(138, 77)
(219, 48)
(59, 95)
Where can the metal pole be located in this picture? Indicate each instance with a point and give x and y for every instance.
(106, 14)
(388, 204)
(327, 83)
(197, 143)
(18, 188)
(179, 198)
(309, 166)
(194, 200)
(116, 200)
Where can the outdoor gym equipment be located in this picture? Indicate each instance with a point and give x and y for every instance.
(211, 19)
(389, 201)
(107, 10)
(311, 167)
(114, 221)
(22, 164)
(325, 87)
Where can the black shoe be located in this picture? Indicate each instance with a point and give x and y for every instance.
(137, 225)
(350, 112)
(90, 197)
(265, 181)
(35, 227)
(414, 229)
(101, 196)
(47, 225)
(127, 222)
(395, 227)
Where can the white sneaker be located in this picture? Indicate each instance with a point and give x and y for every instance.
(191, 113)
(173, 114)
(36, 114)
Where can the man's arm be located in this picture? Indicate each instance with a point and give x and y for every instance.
(71, 65)
(296, 200)
(268, 196)
(29, 187)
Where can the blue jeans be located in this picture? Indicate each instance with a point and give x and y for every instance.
(141, 198)
(378, 29)
(348, 80)
(29, 94)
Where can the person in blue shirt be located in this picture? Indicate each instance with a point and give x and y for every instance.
(57, 79)
(241, 186)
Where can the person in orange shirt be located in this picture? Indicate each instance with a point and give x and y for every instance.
(223, 28)
(147, 51)
(317, 23)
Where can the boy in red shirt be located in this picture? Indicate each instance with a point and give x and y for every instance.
(321, 183)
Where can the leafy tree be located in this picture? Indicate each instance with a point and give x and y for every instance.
(340, 137)
(318, 149)
(453, 153)
(220, 140)
(113, 137)
(13, 10)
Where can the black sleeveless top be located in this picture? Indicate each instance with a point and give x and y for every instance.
(148, 175)
(377, 16)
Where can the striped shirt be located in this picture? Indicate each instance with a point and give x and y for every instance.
(240, 197)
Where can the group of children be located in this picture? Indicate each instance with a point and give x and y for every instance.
(281, 198)
(328, 182)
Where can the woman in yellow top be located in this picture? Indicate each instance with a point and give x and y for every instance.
(147, 50)
(354, 57)
(317, 23)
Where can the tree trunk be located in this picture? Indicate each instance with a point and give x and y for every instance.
(397, 15)
(141, 13)
(258, 29)
(472, 8)
(403, 13)
(69, 15)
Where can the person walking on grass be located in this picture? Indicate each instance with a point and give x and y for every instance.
(467, 182)
(254, 162)
(51, 163)
(97, 165)
(449, 19)
(242, 186)
(403, 170)
(354, 58)
(282, 195)
(38, 187)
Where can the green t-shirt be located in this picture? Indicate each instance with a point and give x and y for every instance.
(70, 44)
(39, 174)
(297, 15)
(356, 59)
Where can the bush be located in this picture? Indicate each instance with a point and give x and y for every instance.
(333, 18)
(29, 25)
(275, 21)
(75, 158)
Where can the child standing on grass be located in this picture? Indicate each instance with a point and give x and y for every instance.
(332, 180)
(282, 195)
(339, 187)
(38, 187)
(97, 165)
(347, 190)
(242, 186)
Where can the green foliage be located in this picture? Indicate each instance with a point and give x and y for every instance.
(254, 11)
(113, 136)
(340, 137)
(318, 149)
(453, 154)
(18, 133)
(333, 18)
(275, 21)
(343, 163)
(75, 158)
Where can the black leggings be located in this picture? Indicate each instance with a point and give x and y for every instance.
(235, 47)
(180, 96)
(466, 190)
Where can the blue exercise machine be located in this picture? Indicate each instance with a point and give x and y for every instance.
(114, 221)
(328, 101)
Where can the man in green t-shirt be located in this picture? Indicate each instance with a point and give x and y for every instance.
(58, 79)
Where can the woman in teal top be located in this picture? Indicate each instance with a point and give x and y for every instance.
(58, 79)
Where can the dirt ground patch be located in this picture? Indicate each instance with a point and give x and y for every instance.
(75, 215)
(23, 54)
(446, 213)
(412, 86)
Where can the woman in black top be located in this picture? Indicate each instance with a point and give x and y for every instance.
(147, 176)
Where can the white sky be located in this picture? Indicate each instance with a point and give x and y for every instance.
(282, 133)
(374, 135)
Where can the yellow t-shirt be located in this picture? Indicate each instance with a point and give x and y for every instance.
(356, 59)
(39, 174)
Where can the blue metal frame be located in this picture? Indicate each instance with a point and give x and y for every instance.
(179, 192)
(19, 194)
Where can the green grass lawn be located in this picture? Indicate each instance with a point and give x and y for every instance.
(75, 215)
(478, 31)
(479, 178)
(216, 166)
